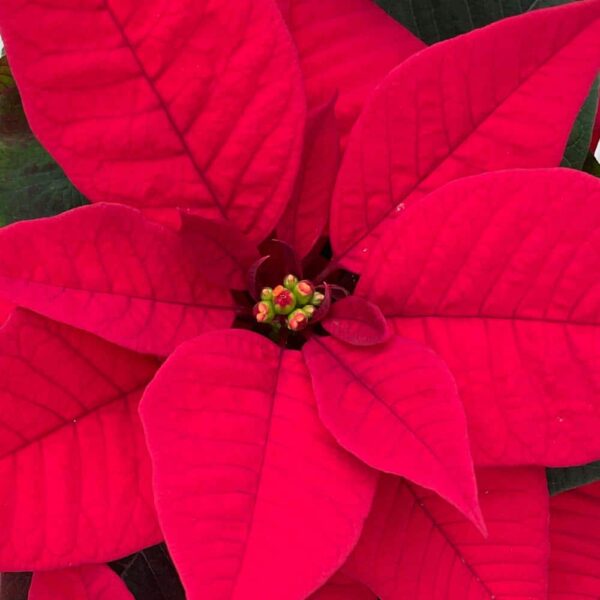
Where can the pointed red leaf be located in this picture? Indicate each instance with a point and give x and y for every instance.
(74, 473)
(357, 321)
(499, 275)
(348, 47)
(110, 271)
(340, 587)
(255, 498)
(396, 408)
(492, 99)
(225, 253)
(306, 215)
(194, 104)
(575, 544)
(416, 547)
(89, 582)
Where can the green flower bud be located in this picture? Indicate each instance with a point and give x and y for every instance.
(284, 301)
(266, 293)
(309, 310)
(297, 320)
(290, 281)
(263, 311)
(304, 291)
(318, 298)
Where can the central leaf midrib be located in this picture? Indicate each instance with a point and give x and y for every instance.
(163, 104)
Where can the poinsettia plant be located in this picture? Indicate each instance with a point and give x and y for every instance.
(329, 311)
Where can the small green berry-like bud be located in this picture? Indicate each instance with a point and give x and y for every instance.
(283, 300)
(290, 281)
(266, 293)
(309, 310)
(318, 298)
(263, 311)
(297, 320)
(304, 291)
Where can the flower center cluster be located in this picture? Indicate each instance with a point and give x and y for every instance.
(293, 304)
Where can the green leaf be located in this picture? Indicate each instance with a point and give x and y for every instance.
(32, 185)
(436, 20)
(579, 141)
(591, 165)
(561, 480)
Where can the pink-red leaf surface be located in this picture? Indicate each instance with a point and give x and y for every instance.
(255, 498)
(498, 273)
(493, 99)
(75, 483)
(340, 587)
(357, 321)
(189, 103)
(575, 544)
(110, 271)
(396, 407)
(345, 47)
(306, 215)
(88, 582)
(416, 547)
(223, 254)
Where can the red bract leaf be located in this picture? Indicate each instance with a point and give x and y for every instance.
(224, 254)
(414, 546)
(396, 408)
(108, 270)
(340, 587)
(255, 498)
(197, 105)
(499, 275)
(306, 216)
(74, 472)
(492, 99)
(348, 47)
(575, 544)
(89, 582)
(357, 321)
(280, 260)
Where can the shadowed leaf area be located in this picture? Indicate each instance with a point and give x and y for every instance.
(563, 479)
(150, 575)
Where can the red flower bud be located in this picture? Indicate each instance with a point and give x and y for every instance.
(263, 312)
(297, 320)
(284, 301)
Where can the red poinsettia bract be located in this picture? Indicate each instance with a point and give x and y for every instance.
(296, 427)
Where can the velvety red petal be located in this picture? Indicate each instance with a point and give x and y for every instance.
(499, 275)
(575, 544)
(416, 547)
(74, 471)
(89, 582)
(306, 216)
(346, 47)
(396, 407)
(255, 498)
(112, 272)
(493, 99)
(225, 255)
(188, 103)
